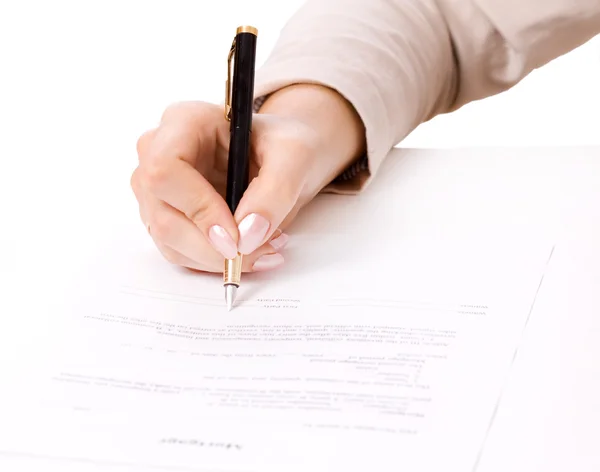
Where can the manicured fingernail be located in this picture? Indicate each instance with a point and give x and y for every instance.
(267, 262)
(252, 230)
(222, 242)
(280, 241)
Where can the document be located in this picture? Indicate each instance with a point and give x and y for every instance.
(391, 358)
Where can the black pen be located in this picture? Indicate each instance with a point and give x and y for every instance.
(239, 98)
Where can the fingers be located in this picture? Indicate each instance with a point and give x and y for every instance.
(182, 243)
(263, 260)
(185, 189)
(172, 159)
(174, 230)
(182, 166)
(177, 258)
(270, 198)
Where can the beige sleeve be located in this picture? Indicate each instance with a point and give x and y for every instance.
(402, 62)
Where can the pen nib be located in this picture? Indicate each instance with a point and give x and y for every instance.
(230, 291)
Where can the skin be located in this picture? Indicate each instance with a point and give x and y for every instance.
(303, 137)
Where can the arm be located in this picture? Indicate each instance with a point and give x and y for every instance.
(399, 63)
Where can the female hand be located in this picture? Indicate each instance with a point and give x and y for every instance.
(180, 182)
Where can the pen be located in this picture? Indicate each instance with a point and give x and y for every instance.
(239, 97)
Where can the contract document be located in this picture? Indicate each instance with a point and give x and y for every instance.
(391, 358)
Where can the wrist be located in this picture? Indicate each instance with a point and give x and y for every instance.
(336, 124)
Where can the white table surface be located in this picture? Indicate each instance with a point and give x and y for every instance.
(549, 413)
(78, 93)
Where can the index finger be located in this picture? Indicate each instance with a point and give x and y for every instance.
(169, 162)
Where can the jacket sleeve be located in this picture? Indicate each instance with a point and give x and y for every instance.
(402, 62)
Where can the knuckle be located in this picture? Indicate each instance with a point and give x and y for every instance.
(173, 110)
(155, 176)
(199, 210)
(161, 225)
(136, 184)
(143, 142)
(134, 181)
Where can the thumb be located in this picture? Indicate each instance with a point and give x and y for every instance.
(270, 198)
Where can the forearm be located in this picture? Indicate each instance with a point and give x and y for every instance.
(339, 128)
(392, 60)
(402, 62)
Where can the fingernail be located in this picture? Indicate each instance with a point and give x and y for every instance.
(267, 262)
(280, 241)
(222, 242)
(252, 230)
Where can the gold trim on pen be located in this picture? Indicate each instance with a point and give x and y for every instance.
(233, 271)
(247, 29)
(228, 82)
(228, 92)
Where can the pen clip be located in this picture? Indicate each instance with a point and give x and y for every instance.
(228, 82)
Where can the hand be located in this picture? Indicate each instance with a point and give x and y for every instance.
(180, 185)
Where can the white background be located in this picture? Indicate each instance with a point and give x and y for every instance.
(80, 81)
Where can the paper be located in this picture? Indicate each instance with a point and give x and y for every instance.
(357, 364)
